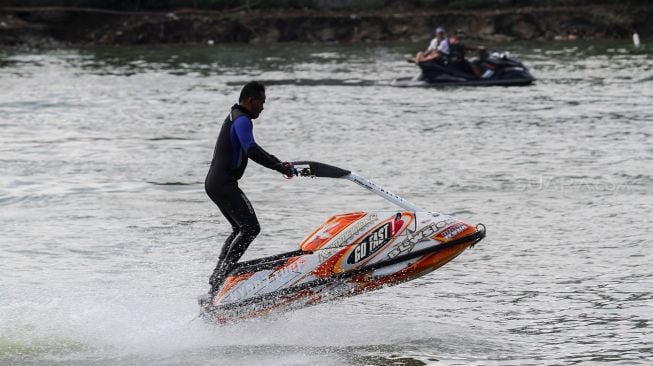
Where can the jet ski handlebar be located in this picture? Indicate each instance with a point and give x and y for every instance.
(314, 169)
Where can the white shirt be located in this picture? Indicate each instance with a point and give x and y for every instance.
(441, 46)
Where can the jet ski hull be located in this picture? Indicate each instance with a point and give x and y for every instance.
(349, 254)
(409, 82)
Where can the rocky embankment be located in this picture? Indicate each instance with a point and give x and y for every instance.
(61, 26)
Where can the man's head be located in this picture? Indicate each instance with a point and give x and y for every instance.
(440, 32)
(252, 97)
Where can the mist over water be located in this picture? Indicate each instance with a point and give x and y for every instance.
(107, 237)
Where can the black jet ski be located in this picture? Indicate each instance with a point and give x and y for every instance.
(498, 68)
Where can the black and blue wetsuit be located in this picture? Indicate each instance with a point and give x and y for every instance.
(234, 147)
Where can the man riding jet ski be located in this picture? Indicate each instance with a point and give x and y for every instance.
(347, 255)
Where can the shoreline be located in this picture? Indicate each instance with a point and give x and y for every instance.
(53, 26)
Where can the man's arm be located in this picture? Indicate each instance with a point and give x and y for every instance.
(433, 46)
(244, 133)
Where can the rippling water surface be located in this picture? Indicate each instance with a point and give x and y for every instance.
(107, 236)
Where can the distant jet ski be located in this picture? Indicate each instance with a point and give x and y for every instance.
(500, 70)
(347, 255)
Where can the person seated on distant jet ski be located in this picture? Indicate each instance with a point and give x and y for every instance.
(482, 69)
(438, 49)
(234, 147)
(456, 57)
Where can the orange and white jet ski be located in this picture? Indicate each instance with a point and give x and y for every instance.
(347, 255)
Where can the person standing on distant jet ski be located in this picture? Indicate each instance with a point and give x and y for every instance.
(234, 147)
(438, 49)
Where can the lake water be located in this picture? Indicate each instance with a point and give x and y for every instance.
(107, 236)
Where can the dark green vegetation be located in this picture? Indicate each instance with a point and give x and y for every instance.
(155, 5)
(56, 22)
(479, 4)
